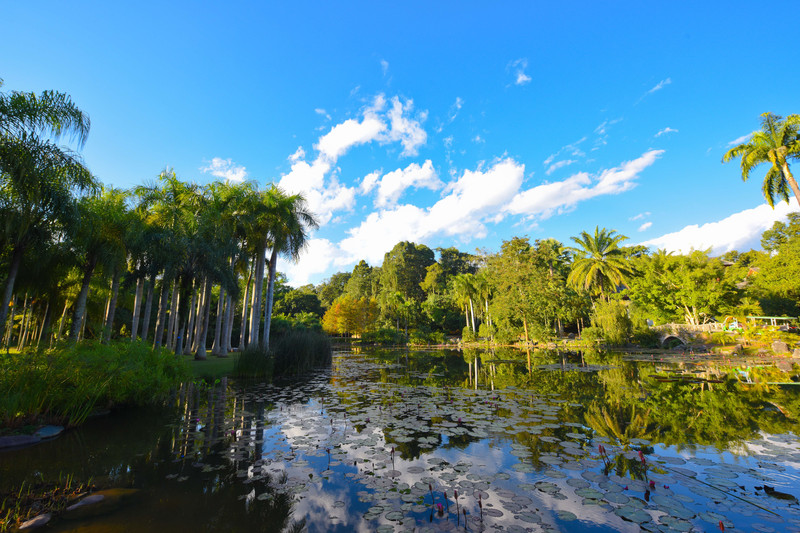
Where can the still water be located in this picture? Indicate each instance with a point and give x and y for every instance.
(451, 441)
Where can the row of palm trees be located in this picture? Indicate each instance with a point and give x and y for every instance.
(177, 242)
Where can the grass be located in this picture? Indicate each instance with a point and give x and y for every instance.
(292, 352)
(213, 367)
(37, 498)
(66, 384)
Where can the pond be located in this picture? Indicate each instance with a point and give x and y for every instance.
(393, 440)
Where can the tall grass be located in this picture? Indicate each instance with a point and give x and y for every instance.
(293, 351)
(66, 384)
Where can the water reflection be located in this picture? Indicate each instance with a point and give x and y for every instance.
(396, 440)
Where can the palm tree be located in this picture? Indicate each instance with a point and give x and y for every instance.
(776, 143)
(599, 265)
(289, 236)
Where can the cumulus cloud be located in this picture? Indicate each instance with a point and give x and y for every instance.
(317, 257)
(406, 130)
(226, 168)
(665, 131)
(370, 181)
(323, 197)
(394, 183)
(544, 200)
(645, 226)
(518, 69)
(640, 216)
(349, 133)
(470, 201)
(739, 231)
(297, 155)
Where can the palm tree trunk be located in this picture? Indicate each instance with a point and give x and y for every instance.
(198, 321)
(216, 347)
(255, 311)
(44, 332)
(162, 314)
(9, 325)
(192, 317)
(148, 305)
(472, 313)
(789, 179)
(137, 306)
(23, 325)
(173, 311)
(243, 330)
(112, 305)
(200, 355)
(229, 325)
(270, 297)
(80, 302)
(13, 269)
(62, 322)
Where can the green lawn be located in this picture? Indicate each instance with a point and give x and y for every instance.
(213, 367)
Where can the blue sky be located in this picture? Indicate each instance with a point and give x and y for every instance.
(446, 123)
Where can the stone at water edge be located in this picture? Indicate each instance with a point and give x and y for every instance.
(49, 432)
(100, 502)
(38, 521)
(18, 441)
(796, 353)
(780, 347)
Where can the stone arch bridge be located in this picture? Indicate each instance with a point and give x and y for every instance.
(684, 332)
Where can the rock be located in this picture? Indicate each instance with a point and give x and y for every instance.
(18, 441)
(780, 347)
(796, 353)
(49, 432)
(101, 502)
(39, 521)
(737, 349)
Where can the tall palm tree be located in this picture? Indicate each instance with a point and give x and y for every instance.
(37, 177)
(776, 143)
(289, 236)
(599, 265)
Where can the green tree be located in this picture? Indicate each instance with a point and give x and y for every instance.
(599, 266)
(38, 179)
(776, 143)
(332, 288)
(404, 268)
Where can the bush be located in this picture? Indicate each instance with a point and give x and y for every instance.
(592, 334)
(384, 336)
(421, 337)
(253, 362)
(66, 384)
(647, 338)
(612, 318)
(299, 351)
(467, 335)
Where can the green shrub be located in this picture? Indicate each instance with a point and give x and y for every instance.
(299, 351)
(592, 334)
(647, 338)
(66, 384)
(612, 318)
(421, 337)
(467, 335)
(384, 336)
(253, 362)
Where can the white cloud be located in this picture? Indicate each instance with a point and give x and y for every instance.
(323, 198)
(349, 133)
(645, 226)
(740, 231)
(559, 164)
(297, 155)
(394, 183)
(518, 67)
(473, 199)
(740, 140)
(665, 131)
(370, 181)
(640, 216)
(226, 168)
(384, 66)
(569, 149)
(546, 199)
(478, 139)
(660, 85)
(318, 256)
(408, 131)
